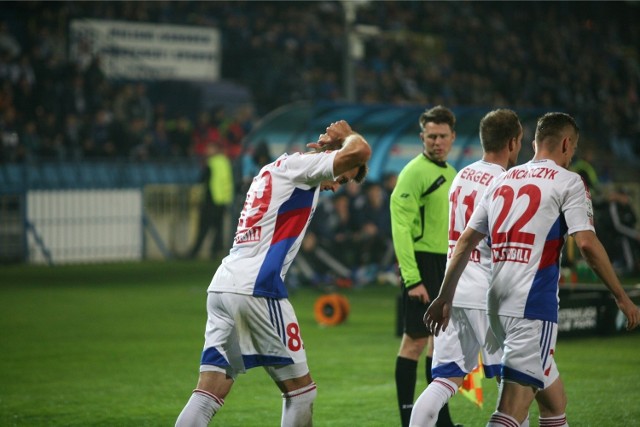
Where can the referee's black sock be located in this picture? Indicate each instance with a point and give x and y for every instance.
(444, 418)
(406, 373)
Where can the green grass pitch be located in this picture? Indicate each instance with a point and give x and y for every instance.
(119, 345)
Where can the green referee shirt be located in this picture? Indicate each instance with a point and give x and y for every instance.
(420, 213)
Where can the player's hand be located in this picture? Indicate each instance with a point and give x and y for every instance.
(631, 312)
(437, 316)
(333, 137)
(419, 293)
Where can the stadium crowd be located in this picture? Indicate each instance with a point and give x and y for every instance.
(577, 57)
(580, 57)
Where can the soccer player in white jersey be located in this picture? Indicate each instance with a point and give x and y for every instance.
(527, 212)
(250, 319)
(456, 349)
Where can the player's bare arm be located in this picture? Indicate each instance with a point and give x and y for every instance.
(355, 152)
(437, 316)
(597, 258)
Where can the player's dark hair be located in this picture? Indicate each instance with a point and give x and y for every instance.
(362, 174)
(551, 125)
(438, 115)
(497, 128)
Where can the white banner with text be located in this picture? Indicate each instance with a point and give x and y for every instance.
(135, 50)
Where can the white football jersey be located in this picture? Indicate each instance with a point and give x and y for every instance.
(466, 192)
(527, 213)
(277, 211)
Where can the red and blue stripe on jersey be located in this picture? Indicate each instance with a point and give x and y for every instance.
(542, 301)
(292, 219)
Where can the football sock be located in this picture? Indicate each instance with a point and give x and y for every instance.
(498, 419)
(297, 406)
(199, 410)
(425, 410)
(444, 418)
(406, 373)
(525, 423)
(558, 421)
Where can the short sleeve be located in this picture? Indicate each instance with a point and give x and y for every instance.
(310, 168)
(577, 207)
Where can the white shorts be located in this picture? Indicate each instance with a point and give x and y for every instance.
(456, 349)
(244, 331)
(529, 347)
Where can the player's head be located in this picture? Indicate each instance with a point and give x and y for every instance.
(501, 130)
(437, 126)
(357, 175)
(558, 133)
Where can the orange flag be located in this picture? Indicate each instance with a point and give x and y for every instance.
(472, 384)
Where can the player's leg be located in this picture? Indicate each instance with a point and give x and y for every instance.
(432, 268)
(552, 402)
(292, 378)
(414, 340)
(217, 374)
(449, 368)
(513, 404)
(298, 395)
(432, 399)
(526, 345)
(206, 400)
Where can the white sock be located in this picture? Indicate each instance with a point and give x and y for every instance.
(433, 398)
(199, 410)
(558, 421)
(525, 423)
(498, 419)
(297, 407)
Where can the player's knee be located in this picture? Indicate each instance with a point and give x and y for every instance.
(552, 401)
(297, 406)
(302, 396)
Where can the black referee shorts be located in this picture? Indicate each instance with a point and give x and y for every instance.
(431, 267)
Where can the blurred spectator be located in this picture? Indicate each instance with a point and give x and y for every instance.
(160, 144)
(376, 226)
(619, 234)
(583, 166)
(8, 43)
(99, 141)
(31, 143)
(180, 135)
(75, 99)
(139, 106)
(252, 161)
(235, 129)
(217, 184)
(121, 101)
(339, 231)
(12, 149)
(315, 265)
(74, 135)
(143, 151)
(204, 134)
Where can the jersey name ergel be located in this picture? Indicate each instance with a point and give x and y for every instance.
(527, 212)
(466, 192)
(277, 211)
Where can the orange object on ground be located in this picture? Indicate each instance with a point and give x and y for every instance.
(331, 309)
